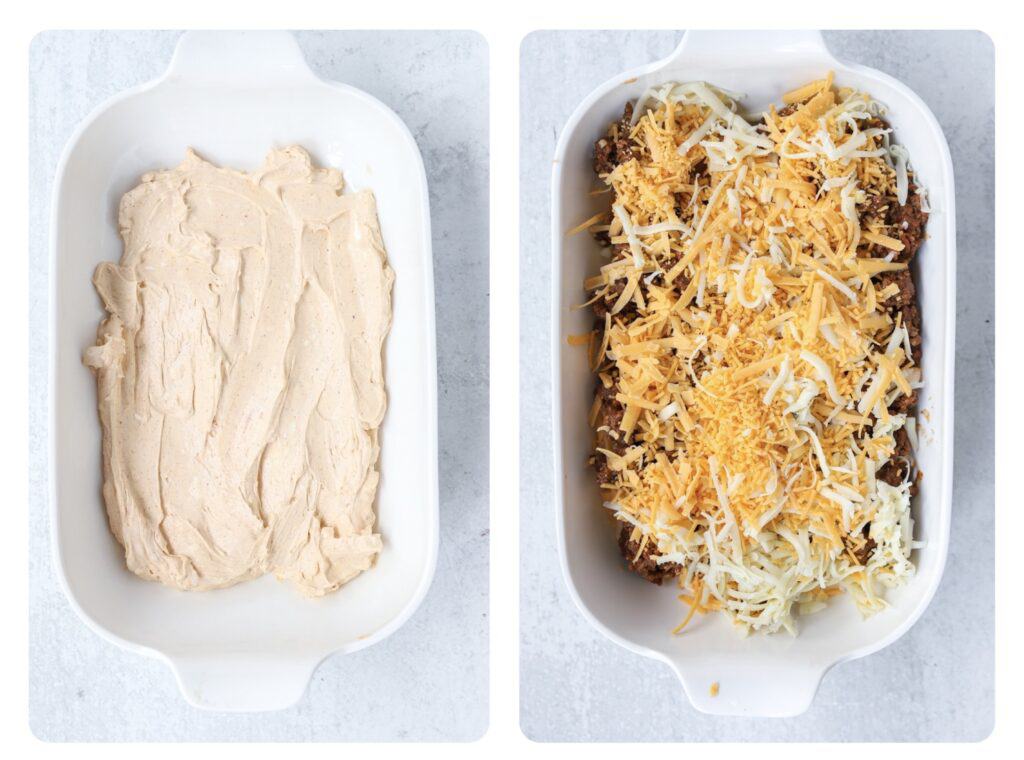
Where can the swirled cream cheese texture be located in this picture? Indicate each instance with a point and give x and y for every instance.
(240, 377)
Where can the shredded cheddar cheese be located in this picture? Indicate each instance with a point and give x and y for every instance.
(751, 353)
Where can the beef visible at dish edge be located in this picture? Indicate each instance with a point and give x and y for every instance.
(615, 147)
(907, 224)
(609, 418)
(610, 151)
(644, 564)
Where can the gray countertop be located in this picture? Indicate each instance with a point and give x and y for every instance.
(936, 683)
(415, 685)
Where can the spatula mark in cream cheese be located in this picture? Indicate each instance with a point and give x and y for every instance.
(240, 377)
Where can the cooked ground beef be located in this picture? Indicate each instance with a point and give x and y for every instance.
(904, 304)
(645, 565)
(912, 319)
(604, 155)
(875, 208)
(609, 415)
(863, 554)
(700, 169)
(903, 448)
(630, 311)
(904, 281)
(612, 150)
(907, 223)
(895, 470)
(903, 404)
(603, 305)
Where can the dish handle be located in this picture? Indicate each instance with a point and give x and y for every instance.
(252, 682)
(752, 689)
(239, 59)
(704, 46)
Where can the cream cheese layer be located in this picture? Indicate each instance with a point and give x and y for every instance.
(240, 377)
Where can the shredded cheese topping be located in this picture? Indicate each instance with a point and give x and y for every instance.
(753, 357)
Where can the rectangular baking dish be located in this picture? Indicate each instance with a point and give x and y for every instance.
(762, 675)
(233, 96)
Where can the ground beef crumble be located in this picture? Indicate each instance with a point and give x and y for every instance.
(615, 147)
(645, 564)
(896, 470)
(904, 306)
(863, 554)
(609, 416)
(907, 224)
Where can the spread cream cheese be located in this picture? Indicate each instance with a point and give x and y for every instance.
(239, 375)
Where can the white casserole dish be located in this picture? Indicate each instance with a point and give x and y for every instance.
(233, 96)
(761, 675)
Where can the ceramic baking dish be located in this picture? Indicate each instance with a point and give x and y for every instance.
(233, 96)
(761, 675)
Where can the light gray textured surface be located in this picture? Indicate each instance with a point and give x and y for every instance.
(936, 683)
(428, 681)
